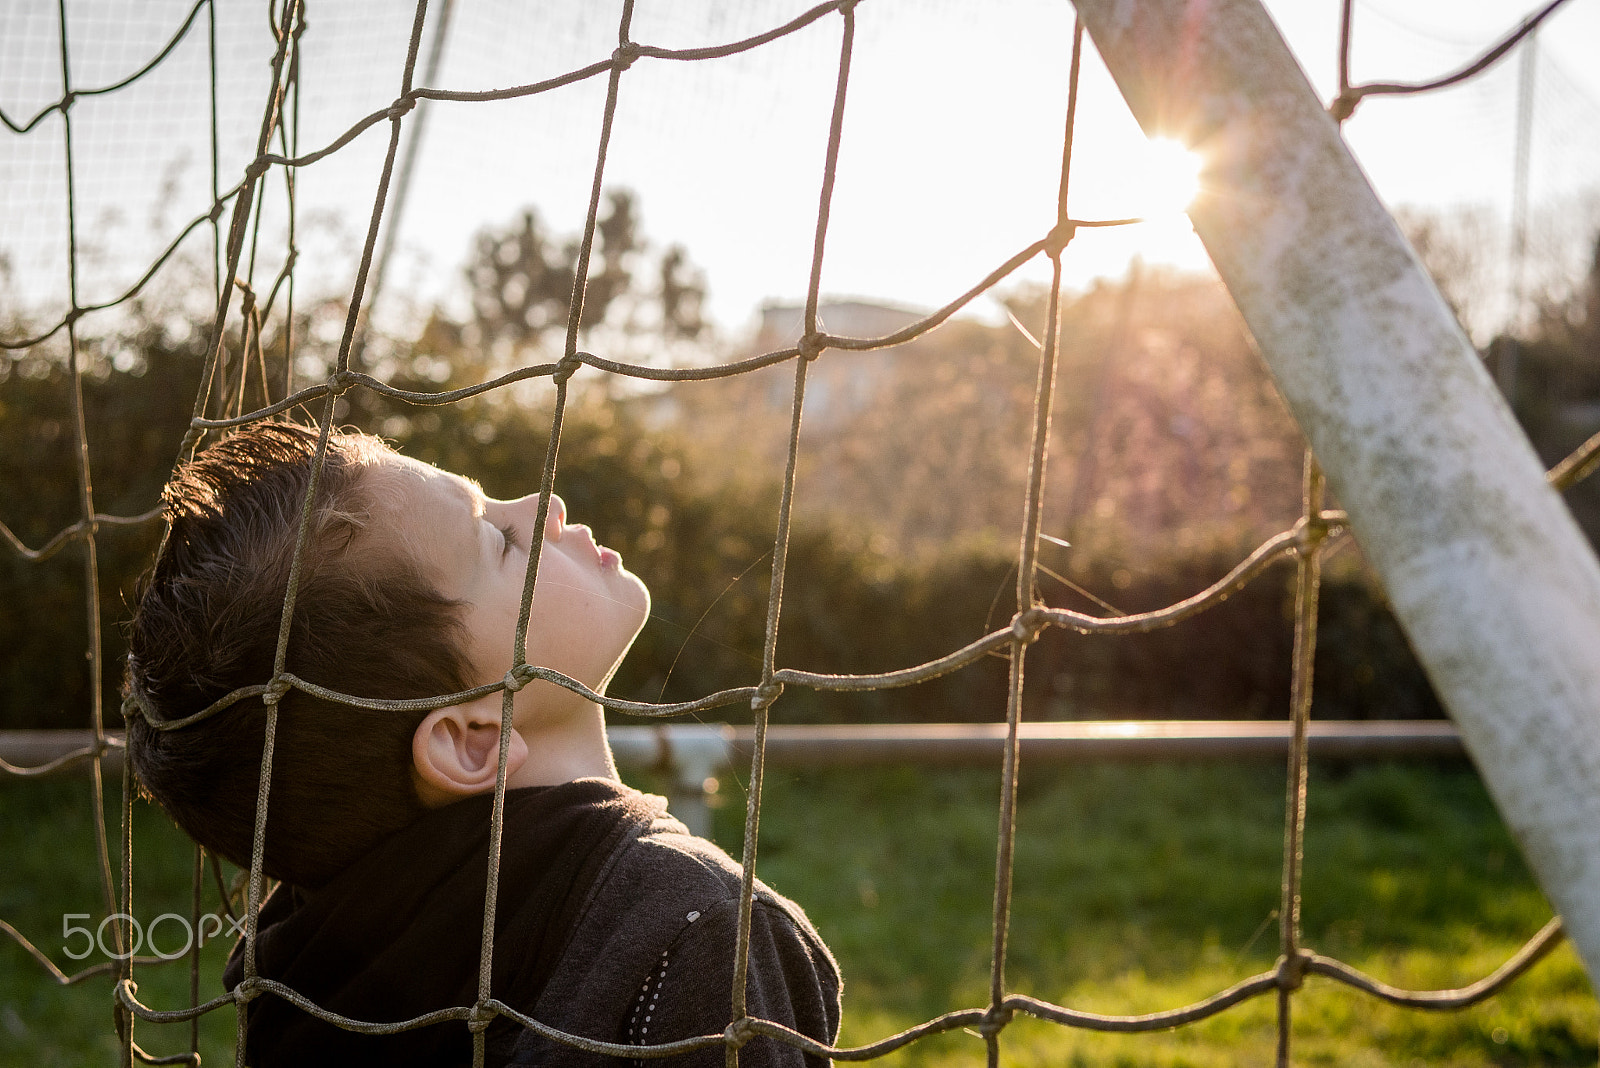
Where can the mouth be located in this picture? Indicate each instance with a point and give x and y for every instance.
(608, 559)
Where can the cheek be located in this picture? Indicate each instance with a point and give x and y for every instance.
(492, 628)
(583, 617)
(559, 604)
(492, 633)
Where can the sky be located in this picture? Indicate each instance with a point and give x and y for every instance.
(949, 162)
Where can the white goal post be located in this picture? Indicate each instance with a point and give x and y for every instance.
(1489, 574)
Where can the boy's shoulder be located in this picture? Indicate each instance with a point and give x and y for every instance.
(666, 913)
(665, 876)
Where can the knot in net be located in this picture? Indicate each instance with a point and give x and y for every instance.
(340, 381)
(481, 1017)
(1059, 237)
(136, 702)
(565, 368)
(994, 1021)
(1026, 626)
(812, 345)
(1291, 970)
(624, 56)
(1310, 531)
(738, 1033)
(765, 694)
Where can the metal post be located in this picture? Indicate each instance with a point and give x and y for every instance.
(1487, 571)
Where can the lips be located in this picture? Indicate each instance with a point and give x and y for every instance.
(608, 559)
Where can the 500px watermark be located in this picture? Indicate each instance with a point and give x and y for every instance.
(143, 936)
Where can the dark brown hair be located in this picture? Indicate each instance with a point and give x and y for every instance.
(368, 621)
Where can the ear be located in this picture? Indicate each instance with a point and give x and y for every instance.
(455, 751)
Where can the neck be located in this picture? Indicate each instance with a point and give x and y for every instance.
(560, 749)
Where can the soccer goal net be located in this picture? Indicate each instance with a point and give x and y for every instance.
(1412, 449)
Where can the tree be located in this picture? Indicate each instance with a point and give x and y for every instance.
(1557, 395)
(521, 281)
(138, 385)
(1460, 249)
(1168, 437)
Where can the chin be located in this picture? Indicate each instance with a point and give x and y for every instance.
(640, 601)
(642, 606)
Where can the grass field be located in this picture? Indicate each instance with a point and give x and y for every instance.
(1138, 888)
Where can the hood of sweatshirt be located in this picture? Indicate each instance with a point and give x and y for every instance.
(397, 934)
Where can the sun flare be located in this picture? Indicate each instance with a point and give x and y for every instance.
(1169, 178)
(1154, 181)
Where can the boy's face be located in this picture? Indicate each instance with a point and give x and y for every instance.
(586, 609)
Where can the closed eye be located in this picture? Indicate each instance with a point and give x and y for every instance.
(509, 536)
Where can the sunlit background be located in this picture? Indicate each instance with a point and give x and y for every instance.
(1170, 455)
(950, 157)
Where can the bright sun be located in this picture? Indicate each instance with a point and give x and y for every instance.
(1167, 180)
(1154, 180)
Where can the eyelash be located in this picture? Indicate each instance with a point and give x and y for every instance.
(510, 536)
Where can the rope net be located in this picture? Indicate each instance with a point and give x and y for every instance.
(234, 221)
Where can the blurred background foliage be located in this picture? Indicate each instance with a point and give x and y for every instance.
(1171, 457)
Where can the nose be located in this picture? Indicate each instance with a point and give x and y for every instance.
(523, 513)
(557, 518)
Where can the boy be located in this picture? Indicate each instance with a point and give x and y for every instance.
(612, 923)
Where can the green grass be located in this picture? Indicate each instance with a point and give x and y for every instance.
(1138, 888)
(1145, 888)
(47, 838)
